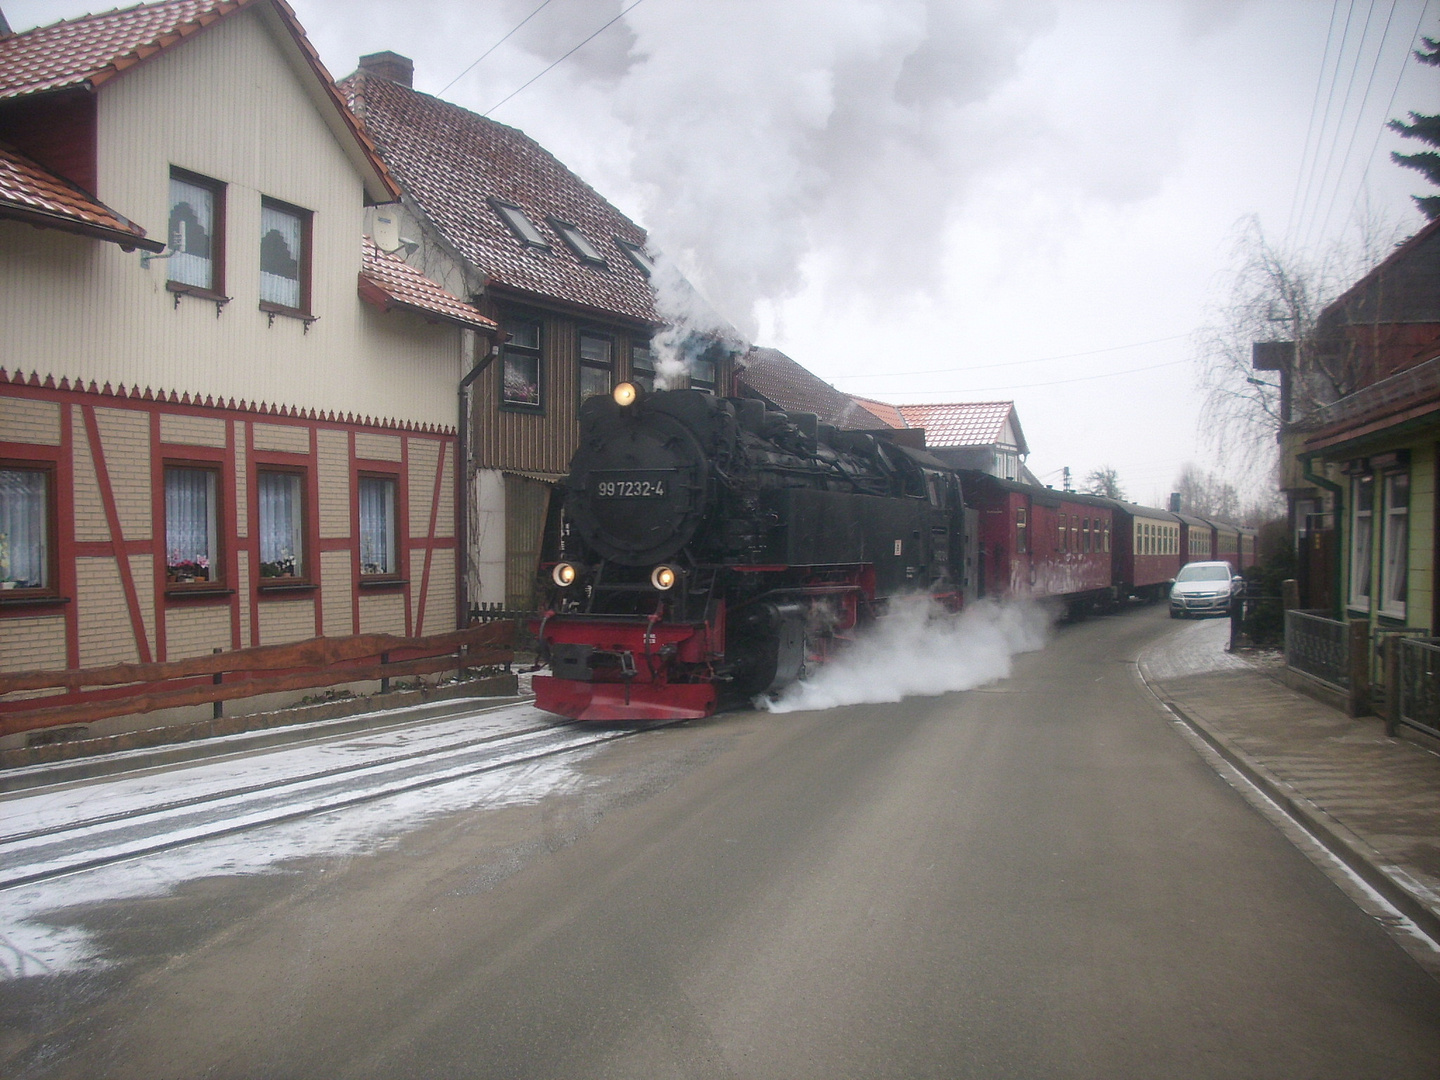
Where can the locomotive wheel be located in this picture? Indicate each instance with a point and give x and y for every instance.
(767, 650)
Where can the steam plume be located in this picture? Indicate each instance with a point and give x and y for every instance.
(919, 650)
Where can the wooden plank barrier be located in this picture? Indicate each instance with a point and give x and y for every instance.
(141, 688)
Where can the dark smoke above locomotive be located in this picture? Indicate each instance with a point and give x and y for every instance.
(749, 540)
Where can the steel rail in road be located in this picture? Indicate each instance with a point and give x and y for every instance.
(37, 855)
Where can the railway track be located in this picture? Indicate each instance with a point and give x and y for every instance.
(50, 834)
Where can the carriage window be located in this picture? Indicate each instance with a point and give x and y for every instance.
(1107, 536)
(1021, 546)
(1087, 536)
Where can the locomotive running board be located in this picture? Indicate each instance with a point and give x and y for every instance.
(611, 701)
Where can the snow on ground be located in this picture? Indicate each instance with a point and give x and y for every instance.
(1194, 648)
(30, 945)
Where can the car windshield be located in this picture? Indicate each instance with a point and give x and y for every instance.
(1200, 572)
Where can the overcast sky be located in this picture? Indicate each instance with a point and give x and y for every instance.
(950, 200)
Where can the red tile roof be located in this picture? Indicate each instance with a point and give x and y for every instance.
(389, 282)
(887, 414)
(93, 49)
(779, 379)
(31, 193)
(966, 423)
(453, 162)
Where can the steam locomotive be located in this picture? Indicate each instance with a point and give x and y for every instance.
(711, 547)
(705, 550)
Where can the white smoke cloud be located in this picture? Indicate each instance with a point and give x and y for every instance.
(919, 650)
(763, 133)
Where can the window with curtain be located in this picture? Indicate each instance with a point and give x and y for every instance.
(1362, 525)
(282, 256)
(24, 528)
(521, 387)
(196, 210)
(191, 536)
(282, 524)
(1394, 566)
(378, 553)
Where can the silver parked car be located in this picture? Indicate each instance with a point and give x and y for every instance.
(1203, 588)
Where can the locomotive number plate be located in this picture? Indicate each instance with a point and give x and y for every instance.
(633, 486)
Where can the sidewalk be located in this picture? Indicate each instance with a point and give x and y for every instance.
(1372, 800)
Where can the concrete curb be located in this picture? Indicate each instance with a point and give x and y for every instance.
(1340, 841)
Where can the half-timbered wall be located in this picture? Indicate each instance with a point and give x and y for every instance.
(112, 600)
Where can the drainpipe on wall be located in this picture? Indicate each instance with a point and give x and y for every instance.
(462, 494)
(1335, 489)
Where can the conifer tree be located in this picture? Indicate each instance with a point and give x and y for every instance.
(1426, 128)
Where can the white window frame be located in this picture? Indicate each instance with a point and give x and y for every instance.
(1362, 540)
(1395, 544)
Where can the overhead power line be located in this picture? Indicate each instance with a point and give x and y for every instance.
(1359, 119)
(1052, 382)
(1014, 363)
(1310, 126)
(567, 56)
(487, 52)
(1390, 105)
(1325, 117)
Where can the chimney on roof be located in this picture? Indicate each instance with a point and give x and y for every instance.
(5, 30)
(390, 65)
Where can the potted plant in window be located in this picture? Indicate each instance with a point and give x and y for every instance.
(182, 569)
(283, 565)
(6, 581)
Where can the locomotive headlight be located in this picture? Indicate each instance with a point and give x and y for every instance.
(626, 393)
(564, 574)
(663, 577)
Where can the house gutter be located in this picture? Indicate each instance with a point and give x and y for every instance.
(1306, 471)
(462, 494)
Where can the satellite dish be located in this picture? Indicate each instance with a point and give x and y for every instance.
(387, 230)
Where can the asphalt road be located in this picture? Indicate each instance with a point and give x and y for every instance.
(1038, 879)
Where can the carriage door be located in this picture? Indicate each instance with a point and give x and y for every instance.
(969, 570)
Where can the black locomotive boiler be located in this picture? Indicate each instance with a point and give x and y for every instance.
(704, 548)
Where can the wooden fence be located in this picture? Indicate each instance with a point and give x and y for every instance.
(90, 694)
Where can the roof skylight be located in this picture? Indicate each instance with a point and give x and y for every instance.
(579, 242)
(520, 225)
(637, 256)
